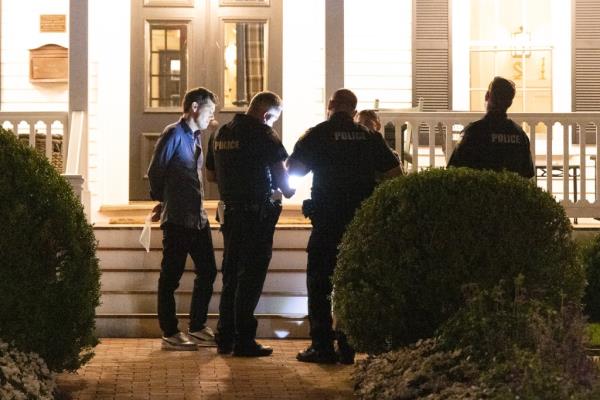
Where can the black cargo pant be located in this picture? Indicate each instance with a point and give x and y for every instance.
(178, 242)
(329, 223)
(248, 232)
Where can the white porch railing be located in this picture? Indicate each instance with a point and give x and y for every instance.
(566, 166)
(44, 131)
(49, 133)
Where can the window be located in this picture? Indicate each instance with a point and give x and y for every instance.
(167, 69)
(510, 38)
(244, 61)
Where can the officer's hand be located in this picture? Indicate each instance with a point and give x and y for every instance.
(212, 126)
(288, 192)
(156, 211)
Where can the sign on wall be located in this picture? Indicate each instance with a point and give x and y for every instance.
(53, 23)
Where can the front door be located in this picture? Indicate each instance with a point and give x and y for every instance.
(231, 47)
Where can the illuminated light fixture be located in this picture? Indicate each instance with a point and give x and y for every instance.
(281, 334)
(521, 43)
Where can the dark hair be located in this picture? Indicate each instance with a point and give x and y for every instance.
(502, 92)
(345, 98)
(265, 100)
(199, 95)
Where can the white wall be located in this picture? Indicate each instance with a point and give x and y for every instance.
(378, 48)
(378, 62)
(303, 74)
(21, 32)
(109, 58)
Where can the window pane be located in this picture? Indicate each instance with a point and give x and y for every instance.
(244, 62)
(158, 39)
(510, 19)
(482, 20)
(168, 65)
(173, 39)
(478, 100)
(482, 68)
(509, 38)
(538, 72)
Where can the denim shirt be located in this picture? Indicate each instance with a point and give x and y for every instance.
(175, 176)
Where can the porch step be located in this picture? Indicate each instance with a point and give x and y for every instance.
(125, 259)
(130, 277)
(136, 212)
(126, 236)
(144, 302)
(146, 325)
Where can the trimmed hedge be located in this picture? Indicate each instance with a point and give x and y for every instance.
(49, 276)
(419, 239)
(590, 254)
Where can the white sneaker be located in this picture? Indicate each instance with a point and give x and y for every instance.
(204, 337)
(178, 342)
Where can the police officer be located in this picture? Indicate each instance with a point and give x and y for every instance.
(345, 158)
(175, 176)
(495, 142)
(246, 159)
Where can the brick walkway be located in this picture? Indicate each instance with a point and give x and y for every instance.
(138, 369)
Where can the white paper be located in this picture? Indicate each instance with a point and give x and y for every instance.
(145, 236)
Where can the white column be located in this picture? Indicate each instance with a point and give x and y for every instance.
(334, 46)
(78, 84)
(78, 55)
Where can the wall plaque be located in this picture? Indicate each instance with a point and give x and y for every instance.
(53, 23)
(49, 63)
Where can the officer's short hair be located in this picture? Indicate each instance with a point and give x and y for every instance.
(345, 98)
(199, 95)
(501, 92)
(265, 101)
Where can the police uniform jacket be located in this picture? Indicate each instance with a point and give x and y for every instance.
(175, 176)
(495, 143)
(345, 158)
(241, 154)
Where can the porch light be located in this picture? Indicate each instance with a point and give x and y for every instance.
(521, 43)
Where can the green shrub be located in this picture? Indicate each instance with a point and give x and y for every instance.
(590, 254)
(495, 347)
(419, 239)
(49, 277)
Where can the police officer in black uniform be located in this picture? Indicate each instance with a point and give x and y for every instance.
(246, 159)
(345, 159)
(495, 142)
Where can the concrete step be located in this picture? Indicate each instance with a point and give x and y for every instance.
(144, 302)
(127, 236)
(135, 212)
(137, 259)
(130, 277)
(146, 325)
(276, 280)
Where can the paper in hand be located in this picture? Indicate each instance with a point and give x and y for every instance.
(145, 236)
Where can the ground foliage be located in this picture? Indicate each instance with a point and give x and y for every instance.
(496, 347)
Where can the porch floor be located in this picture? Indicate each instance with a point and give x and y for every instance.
(139, 369)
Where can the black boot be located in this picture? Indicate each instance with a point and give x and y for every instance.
(224, 343)
(318, 355)
(251, 349)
